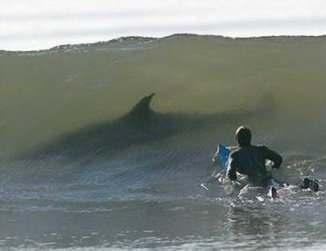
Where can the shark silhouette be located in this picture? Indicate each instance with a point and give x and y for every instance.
(140, 125)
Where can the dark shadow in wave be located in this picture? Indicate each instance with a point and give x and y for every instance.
(139, 126)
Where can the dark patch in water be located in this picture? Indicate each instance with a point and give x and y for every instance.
(139, 126)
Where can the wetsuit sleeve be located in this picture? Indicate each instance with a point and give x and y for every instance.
(232, 168)
(273, 156)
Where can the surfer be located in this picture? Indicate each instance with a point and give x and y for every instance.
(250, 160)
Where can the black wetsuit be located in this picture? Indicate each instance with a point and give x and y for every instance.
(251, 161)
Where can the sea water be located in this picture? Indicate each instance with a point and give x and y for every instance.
(143, 192)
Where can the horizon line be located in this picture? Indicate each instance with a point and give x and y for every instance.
(59, 46)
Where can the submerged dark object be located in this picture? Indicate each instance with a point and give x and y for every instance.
(139, 126)
(130, 129)
(312, 184)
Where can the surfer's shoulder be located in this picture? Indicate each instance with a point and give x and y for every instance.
(265, 151)
(261, 147)
(234, 151)
(247, 149)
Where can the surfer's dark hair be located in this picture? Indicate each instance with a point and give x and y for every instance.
(243, 136)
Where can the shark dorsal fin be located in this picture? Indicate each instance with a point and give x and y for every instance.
(142, 109)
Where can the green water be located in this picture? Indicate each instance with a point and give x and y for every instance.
(147, 194)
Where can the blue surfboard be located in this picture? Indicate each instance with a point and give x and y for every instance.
(223, 154)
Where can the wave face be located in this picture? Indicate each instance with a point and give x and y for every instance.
(47, 93)
(77, 102)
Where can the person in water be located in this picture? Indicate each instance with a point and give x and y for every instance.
(251, 160)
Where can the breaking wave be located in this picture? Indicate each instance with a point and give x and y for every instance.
(77, 100)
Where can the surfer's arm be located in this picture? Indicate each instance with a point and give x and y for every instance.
(273, 156)
(215, 157)
(232, 168)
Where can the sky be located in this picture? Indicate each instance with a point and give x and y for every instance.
(41, 24)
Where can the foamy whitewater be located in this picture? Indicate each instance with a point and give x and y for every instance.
(89, 163)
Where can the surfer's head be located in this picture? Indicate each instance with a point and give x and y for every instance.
(243, 136)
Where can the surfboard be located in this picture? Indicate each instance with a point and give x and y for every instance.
(222, 157)
(223, 154)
